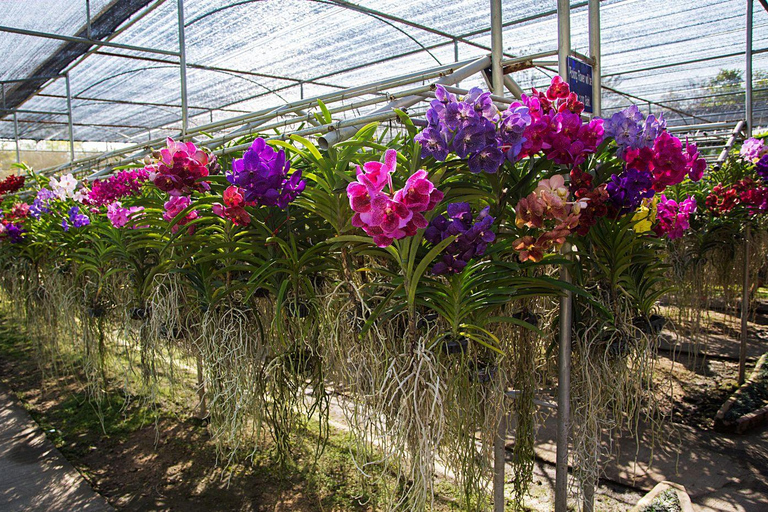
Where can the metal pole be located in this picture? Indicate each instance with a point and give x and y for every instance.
(744, 309)
(455, 50)
(748, 74)
(69, 116)
(500, 461)
(497, 48)
(563, 36)
(588, 491)
(88, 19)
(183, 70)
(563, 393)
(566, 302)
(16, 136)
(595, 55)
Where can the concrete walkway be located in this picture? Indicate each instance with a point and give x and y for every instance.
(34, 475)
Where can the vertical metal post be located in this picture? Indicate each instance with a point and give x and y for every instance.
(16, 137)
(455, 50)
(566, 303)
(595, 55)
(497, 47)
(301, 90)
(500, 460)
(744, 309)
(183, 70)
(748, 74)
(88, 19)
(499, 439)
(563, 37)
(69, 116)
(588, 490)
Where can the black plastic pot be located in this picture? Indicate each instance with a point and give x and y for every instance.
(455, 345)
(261, 293)
(650, 325)
(96, 312)
(619, 347)
(527, 316)
(425, 320)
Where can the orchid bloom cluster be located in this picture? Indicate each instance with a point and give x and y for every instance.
(261, 177)
(752, 150)
(123, 184)
(174, 207)
(556, 128)
(472, 237)
(61, 190)
(745, 194)
(597, 200)
(473, 128)
(654, 159)
(75, 219)
(546, 208)
(233, 208)
(672, 218)
(12, 225)
(13, 231)
(64, 187)
(180, 170)
(42, 203)
(394, 215)
(11, 184)
(120, 216)
(761, 168)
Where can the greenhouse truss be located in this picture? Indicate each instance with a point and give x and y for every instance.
(114, 71)
(213, 71)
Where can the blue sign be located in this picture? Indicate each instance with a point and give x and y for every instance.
(580, 80)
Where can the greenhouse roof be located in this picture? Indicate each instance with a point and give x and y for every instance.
(247, 55)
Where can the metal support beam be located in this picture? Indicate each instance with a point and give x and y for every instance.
(83, 40)
(30, 79)
(748, 74)
(69, 115)
(497, 48)
(460, 74)
(731, 141)
(183, 70)
(566, 304)
(29, 111)
(744, 308)
(16, 137)
(684, 63)
(513, 87)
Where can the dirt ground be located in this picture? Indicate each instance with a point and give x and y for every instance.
(153, 461)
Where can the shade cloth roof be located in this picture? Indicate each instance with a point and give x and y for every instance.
(246, 55)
